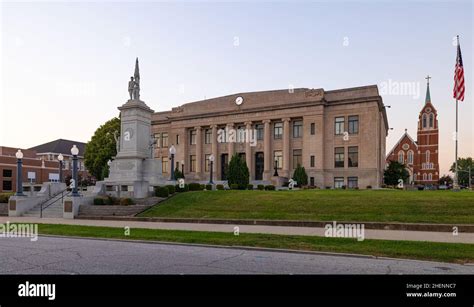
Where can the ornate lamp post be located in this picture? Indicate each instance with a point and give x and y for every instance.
(19, 174)
(172, 153)
(276, 168)
(60, 159)
(74, 152)
(211, 162)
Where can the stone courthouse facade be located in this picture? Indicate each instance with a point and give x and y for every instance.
(338, 136)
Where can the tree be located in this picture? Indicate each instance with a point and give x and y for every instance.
(101, 148)
(300, 176)
(178, 174)
(446, 179)
(238, 172)
(394, 172)
(463, 170)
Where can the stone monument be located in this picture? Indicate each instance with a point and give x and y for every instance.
(134, 171)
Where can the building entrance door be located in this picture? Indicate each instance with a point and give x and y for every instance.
(259, 166)
(224, 164)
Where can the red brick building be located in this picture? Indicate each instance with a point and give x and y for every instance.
(421, 157)
(38, 167)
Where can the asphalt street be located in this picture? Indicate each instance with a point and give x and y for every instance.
(53, 255)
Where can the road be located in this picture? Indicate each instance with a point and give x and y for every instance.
(54, 255)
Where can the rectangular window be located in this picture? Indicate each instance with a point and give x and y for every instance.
(7, 185)
(208, 136)
(259, 128)
(164, 139)
(352, 182)
(192, 137)
(311, 181)
(311, 161)
(313, 128)
(7, 173)
(278, 156)
(339, 125)
(353, 122)
(339, 157)
(158, 140)
(297, 157)
(177, 139)
(222, 135)
(353, 156)
(192, 163)
(277, 131)
(338, 182)
(164, 165)
(207, 163)
(297, 129)
(240, 137)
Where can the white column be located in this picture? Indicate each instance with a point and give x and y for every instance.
(286, 147)
(198, 152)
(214, 150)
(267, 151)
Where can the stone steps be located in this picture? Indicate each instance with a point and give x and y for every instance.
(104, 210)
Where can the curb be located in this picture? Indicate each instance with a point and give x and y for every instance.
(465, 228)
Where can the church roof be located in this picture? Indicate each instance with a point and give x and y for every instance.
(405, 135)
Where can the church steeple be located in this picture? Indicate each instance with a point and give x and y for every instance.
(428, 96)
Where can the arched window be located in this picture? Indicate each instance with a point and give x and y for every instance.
(424, 177)
(410, 157)
(427, 156)
(424, 120)
(430, 176)
(431, 120)
(401, 157)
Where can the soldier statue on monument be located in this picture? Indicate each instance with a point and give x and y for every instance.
(134, 84)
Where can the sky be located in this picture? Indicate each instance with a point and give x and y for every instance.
(65, 65)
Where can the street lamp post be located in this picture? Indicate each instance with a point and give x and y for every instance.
(211, 162)
(74, 152)
(172, 153)
(60, 159)
(19, 174)
(276, 168)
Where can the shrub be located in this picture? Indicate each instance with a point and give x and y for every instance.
(194, 186)
(343, 187)
(270, 187)
(162, 192)
(178, 174)
(111, 201)
(328, 187)
(184, 189)
(127, 201)
(209, 187)
(171, 189)
(99, 201)
(219, 187)
(300, 176)
(202, 187)
(4, 197)
(261, 187)
(250, 187)
(369, 187)
(234, 186)
(238, 172)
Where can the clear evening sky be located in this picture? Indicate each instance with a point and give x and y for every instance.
(65, 66)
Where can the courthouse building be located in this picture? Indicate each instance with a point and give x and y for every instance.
(338, 136)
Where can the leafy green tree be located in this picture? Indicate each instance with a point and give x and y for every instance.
(446, 179)
(394, 172)
(300, 176)
(101, 148)
(238, 172)
(463, 167)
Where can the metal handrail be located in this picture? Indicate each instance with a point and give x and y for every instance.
(61, 193)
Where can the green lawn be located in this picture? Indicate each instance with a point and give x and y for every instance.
(323, 205)
(446, 252)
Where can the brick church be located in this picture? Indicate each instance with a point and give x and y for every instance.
(421, 156)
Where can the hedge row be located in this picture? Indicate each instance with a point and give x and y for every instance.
(113, 201)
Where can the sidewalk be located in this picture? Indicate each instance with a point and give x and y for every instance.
(430, 236)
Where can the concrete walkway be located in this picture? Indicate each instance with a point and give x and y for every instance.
(430, 236)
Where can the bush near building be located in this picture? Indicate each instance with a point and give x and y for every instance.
(238, 172)
(300, 176)
(162, 192)
(183, 189)
(219, 187)
(270, 187)
(4, 197)
(194, 186)
(171, 189)
(209, 187)
(127, 201)
(261, 187)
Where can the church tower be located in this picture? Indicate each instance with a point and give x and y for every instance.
(426, 168)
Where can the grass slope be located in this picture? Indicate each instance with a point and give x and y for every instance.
(323, 205)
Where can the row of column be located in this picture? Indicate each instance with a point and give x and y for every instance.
(268, 157)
